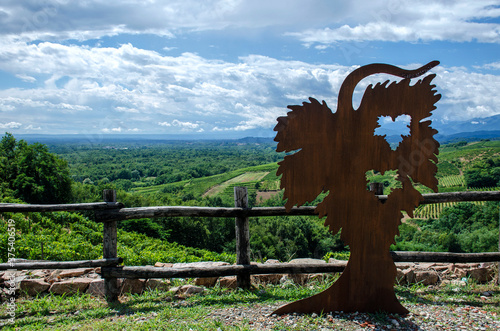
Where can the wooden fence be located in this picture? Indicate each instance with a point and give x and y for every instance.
(110, 212)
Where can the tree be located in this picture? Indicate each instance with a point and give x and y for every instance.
(33, 173)
(485, 173)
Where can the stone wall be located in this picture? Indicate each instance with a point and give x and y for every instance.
(88, 280)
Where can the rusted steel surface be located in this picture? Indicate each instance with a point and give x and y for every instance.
(332, 153)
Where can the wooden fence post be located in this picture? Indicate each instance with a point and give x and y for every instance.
(377, 188)
(110, 239)
(242, 236)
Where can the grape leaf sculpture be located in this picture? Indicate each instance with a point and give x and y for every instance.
(333, 152)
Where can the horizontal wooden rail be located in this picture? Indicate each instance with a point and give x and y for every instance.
(460, 196)
(398, 256)
(402, 256)
(61, 265)
(230, 270)
(108, 211)
(21, 208)
(288, 268)
(181, 211)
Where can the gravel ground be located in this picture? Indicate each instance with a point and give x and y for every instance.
(421, 317)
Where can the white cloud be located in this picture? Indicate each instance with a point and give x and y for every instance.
(405, 20)
(466, 94)
(126, 110)
(31, 127)
(10, 125)
(26, 78)
(92, 19)
(112, 130)
(493, 66)
(333, 21)
(189, 92)
(168, 49)
(32, 99)
(402, 118)
(185, 125)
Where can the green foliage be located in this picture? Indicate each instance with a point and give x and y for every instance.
(485, 173)
(464, 227)
(139, 249)
(64, 236)
(32, 173)
(69, 236)
(457, 144)
(342, 255)
(169, 162)
(285, 238)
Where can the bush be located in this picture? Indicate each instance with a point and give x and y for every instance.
(69, 236)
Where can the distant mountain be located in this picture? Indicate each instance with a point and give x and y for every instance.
(474, 129)
(491, 123)
(469, 136)
(256, 140)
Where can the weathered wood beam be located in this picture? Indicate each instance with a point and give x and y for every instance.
(400, 256)
(61, 264)
(110, 249)
(461, 196)
(114, 210)
(20, 208)
(181, 211)
(153, 272)
(456, 196)
(242, 233)
(289, 268)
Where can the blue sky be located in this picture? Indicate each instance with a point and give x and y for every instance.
(228, 68)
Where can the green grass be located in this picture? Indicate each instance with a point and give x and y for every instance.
(157, 310)
(151, 310)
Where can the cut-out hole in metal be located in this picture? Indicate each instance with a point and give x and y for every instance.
(393, 131)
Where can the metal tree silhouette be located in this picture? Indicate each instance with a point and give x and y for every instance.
(333, 152)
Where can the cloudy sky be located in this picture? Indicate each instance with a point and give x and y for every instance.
(228, 68)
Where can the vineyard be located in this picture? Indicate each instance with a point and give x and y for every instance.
(434, 210)
(451, 181)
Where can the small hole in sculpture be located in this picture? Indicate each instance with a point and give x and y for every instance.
(393, 130)
(382, 183)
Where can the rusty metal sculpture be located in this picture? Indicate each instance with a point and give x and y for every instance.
(333, 152)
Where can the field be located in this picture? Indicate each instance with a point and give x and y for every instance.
(434, 210)
(452, 181)
(246, 180)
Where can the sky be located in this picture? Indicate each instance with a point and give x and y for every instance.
(229, 68)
